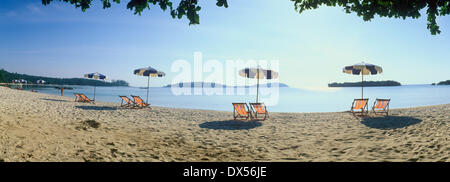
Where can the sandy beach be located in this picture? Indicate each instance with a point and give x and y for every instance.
(41, 127)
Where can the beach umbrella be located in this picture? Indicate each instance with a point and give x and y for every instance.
(258, 73)
(363, 69)
(95, 76)
(40, 81)
(149, 72)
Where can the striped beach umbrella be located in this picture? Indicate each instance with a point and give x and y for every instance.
(149, 72)
(363, 69)
(258, 73)
(95, 76)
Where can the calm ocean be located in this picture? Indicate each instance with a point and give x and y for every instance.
(289, 99)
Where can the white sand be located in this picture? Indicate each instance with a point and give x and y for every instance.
(41, 127)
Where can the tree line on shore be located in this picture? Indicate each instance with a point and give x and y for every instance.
(7, 77)
(377, 84)
(366, 84)
(447, 82)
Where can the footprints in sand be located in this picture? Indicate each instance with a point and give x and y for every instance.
(108, 151)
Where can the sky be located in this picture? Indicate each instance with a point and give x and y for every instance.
(311, 48)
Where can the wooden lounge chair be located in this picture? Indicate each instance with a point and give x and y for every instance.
(241, 111)
(139, 102)
(360, 104)
(86, 99)
(381, 106)
(259, 109)
(78, 98)
(128, 102)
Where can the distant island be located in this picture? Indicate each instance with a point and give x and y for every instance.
(444, 83)
(7, 77)
(217, 85)
(366, 84)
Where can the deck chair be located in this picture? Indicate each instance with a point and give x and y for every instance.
(241, 111)
(128, 102)
(78, 98)
(139, 102)
(86, 99)
(360, 104)
(381, 106)
(259, 109)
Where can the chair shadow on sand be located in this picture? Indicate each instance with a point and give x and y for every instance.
(230, 125)
(390, 122)
(97, 108)
(56, 100)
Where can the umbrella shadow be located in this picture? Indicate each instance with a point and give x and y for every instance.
(97, 108)
(56, 100)
(230, 125)
(390, 122)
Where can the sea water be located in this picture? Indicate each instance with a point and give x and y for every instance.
(288, 100)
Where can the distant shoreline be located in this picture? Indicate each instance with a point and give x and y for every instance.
(6, 76)
(447, 82)
(388, 83)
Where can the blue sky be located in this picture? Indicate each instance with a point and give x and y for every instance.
(312, 48)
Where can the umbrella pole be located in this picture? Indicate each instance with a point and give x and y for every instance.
(257, 91)
(148, 86)
(362, 85)
(95, 86)
(257, 85)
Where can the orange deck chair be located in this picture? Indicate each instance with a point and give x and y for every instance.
(86, 99)
(259, 109)
(128, 102)
(78, 98)
(241, 111)
(360, 104)
(381, 106)
(139, 102)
